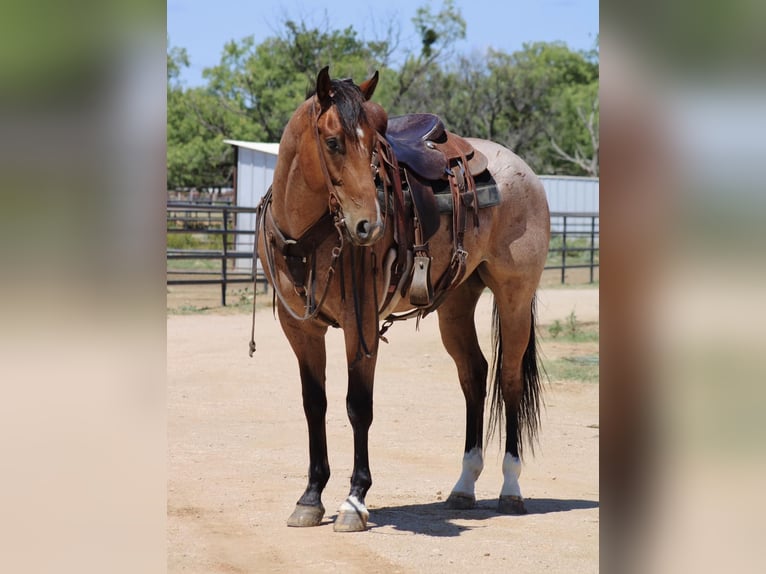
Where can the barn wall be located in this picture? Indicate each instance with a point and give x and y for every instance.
(571, 194)
(255, 171)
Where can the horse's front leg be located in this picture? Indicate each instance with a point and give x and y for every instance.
(353, 514)
(308, 343)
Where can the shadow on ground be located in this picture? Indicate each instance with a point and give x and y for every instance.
(435, 519)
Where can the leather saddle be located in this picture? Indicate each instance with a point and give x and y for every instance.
(428, 152)
(421, 142)
(428, 157)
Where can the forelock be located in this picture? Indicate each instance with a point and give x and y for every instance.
(349, 103)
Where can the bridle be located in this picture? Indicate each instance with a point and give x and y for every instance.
(333, 201)
(300, 254)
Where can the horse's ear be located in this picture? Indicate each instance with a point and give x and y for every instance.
(368, 86)
(323, 87)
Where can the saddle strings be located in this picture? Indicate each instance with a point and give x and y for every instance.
(258, 215)
(312, 306)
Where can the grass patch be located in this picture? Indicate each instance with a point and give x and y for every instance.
(192, 240)
(580, 349)
(213, 265)
(187, 310)
(583, 369)
(243, 298)
(578, 250)
(572, 330)
(237, 300)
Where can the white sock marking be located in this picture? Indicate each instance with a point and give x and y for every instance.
(352, 504)
(473, 464)
(511, 474)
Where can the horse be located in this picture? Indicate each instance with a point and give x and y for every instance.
(336, 256)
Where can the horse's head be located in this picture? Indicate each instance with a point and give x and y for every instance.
(346, 123)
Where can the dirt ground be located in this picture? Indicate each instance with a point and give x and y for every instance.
(238, 457)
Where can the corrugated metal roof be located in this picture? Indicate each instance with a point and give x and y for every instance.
(270, 148)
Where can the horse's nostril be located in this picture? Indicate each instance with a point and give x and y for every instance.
(363, 229)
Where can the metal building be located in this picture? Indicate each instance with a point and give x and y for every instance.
(255, 163)
(571, 195)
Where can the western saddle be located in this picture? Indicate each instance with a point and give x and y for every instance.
(424, 164)
(422, 170)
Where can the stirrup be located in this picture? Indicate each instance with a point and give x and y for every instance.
(421, 290)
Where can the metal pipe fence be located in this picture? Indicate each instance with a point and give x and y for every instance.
(574, 243)
(206, 246)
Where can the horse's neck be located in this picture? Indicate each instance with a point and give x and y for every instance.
(298, 200)
(292, 207)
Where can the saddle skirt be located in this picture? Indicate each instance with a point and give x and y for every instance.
(433, 171)
(427, 155)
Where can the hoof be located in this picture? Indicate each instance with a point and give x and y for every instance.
(352, 516)
(350, 521)
(461, 501)
(306, 516)
(511, 504)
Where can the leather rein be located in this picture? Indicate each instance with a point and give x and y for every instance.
(300, 254)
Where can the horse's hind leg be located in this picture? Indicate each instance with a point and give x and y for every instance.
(516, 386)
(458, 332)
(308, 344)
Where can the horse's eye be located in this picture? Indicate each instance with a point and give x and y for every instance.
(334, 145)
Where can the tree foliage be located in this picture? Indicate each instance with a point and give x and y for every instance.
(541, 101)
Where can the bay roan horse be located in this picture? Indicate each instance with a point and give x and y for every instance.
(337, 254)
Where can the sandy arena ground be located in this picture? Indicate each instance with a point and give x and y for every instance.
(238, 457)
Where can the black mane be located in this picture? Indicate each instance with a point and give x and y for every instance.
(348, 99)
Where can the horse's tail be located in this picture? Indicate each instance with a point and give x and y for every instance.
(528, 414)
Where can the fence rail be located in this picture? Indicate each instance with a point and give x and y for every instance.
(574, 243)
(212, 249)
(209, 236)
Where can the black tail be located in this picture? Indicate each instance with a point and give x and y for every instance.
(528, 414)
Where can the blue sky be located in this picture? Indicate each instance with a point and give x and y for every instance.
(204, 26)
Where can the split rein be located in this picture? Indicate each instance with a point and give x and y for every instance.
(266, 228)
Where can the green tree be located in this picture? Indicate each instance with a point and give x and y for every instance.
(263, 84)
(196, 127)
(421, 72)
(574, 135)
(540, 101)
(177, 59)
(528, 84)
